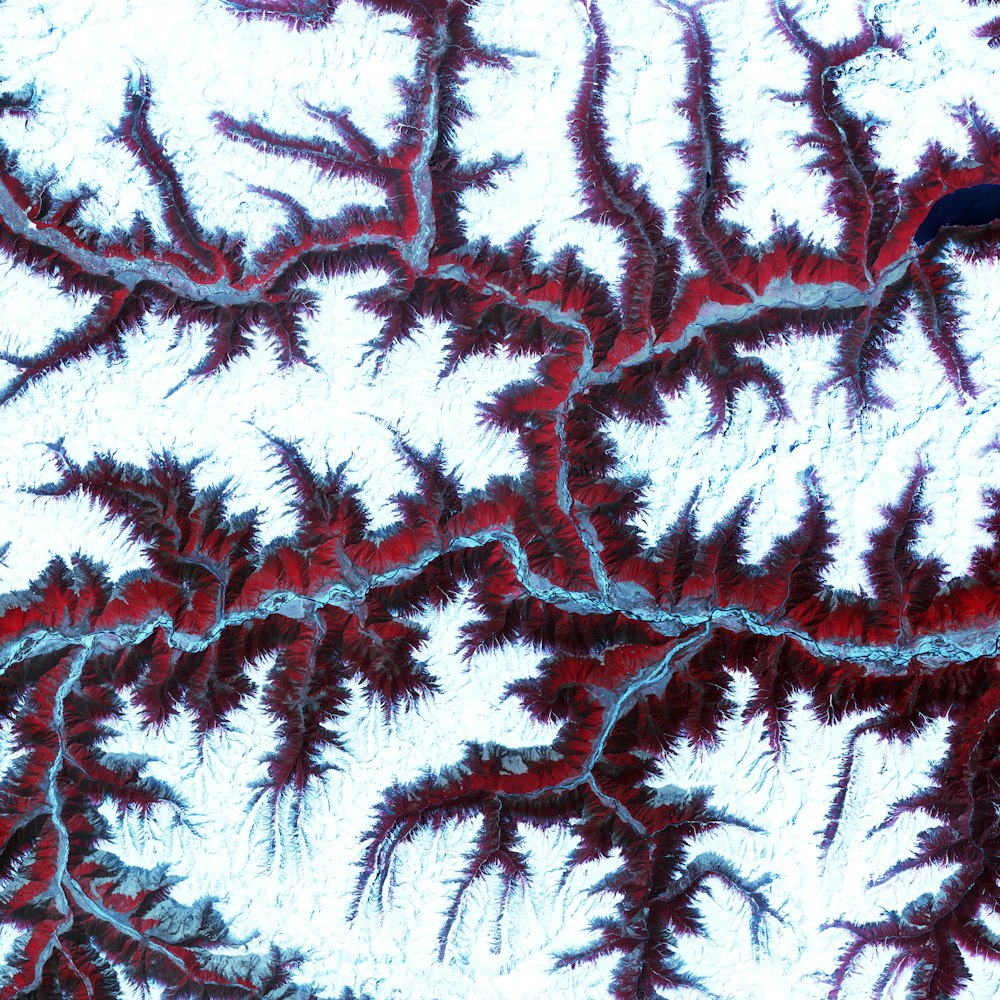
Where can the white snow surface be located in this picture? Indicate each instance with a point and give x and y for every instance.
(294, 889)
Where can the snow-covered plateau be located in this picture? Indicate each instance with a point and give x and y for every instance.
(498, 501)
